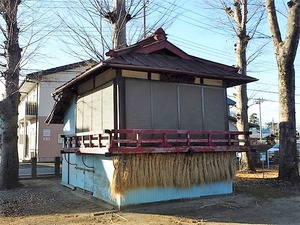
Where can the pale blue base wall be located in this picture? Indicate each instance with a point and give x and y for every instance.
(90, 173)
(164, 194)
(94, 173)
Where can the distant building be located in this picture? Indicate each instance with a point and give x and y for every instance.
(37, 139)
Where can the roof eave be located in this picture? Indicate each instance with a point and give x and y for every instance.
(233, 80)
(81, 76)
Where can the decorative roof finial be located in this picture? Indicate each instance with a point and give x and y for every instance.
(160, 35)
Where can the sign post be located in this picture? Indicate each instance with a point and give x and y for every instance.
(263, 159)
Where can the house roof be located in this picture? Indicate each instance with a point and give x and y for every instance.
(58, 69)
(30, 80)
(153, 54)
(234, 120)
(230, 102)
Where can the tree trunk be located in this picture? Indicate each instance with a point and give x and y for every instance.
(240, 16)
(285, 53)
(119, 25)
(242, 123)
(9, 166)
(9, 170)
(288, 157)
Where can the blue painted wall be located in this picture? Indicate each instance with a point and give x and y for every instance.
(90, 173)
(143, 195)
(94, 173)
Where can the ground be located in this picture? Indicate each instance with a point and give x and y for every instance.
(258, 199)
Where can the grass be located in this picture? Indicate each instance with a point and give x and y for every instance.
(262, 184)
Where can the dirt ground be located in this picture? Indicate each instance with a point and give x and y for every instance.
(258, 199)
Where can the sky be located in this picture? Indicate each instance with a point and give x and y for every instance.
(196, 28)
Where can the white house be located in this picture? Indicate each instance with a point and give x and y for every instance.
(37, 139)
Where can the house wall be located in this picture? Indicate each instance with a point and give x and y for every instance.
(35, 137)
(27, 127)
(27, 139)
(90, 173)
(69, 118)
(165, 105)
(143, 195)
(94, 173)
(46, 102)
(49, 140)
(49, 83)
(95, 110)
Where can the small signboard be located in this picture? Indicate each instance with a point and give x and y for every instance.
(263, 156)
(46, 132)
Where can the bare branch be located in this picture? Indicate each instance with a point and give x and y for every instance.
(254, 28)
(273, 22)
(293, 28)
(92, 25)
(238, 17)
(258, 52)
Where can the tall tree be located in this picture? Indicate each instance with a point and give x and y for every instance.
(9, 166)
(95, 26)
(285, 52)
(239, 15)
(254, 119)
(119, 24)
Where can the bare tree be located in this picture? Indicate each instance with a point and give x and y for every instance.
(239, 19)
(285, 53)
(20, 21)
(97, 26)
(9, 166)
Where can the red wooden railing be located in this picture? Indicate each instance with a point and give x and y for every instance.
(130, 141)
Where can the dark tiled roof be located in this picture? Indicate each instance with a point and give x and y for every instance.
(166, 62)
(61, 68)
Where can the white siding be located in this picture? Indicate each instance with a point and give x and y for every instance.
(95, 111)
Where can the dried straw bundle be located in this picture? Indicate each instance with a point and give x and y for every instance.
(170, 170)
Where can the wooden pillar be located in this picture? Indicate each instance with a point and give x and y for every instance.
(57, 167)
(34, 167)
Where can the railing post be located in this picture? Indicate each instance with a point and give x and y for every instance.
(188, 139)
(100, 141)
(82, 141)
(57, 166)
(165, 143)
(90, 141)
(138, 139)
(209, 139)
(34, 167)
(229, 139)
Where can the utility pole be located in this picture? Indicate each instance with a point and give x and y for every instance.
(259, 101)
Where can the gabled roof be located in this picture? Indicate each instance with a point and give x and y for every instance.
(58, 69)
(230, 102)
(155, 54)
(153, 44)
(30, 80)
